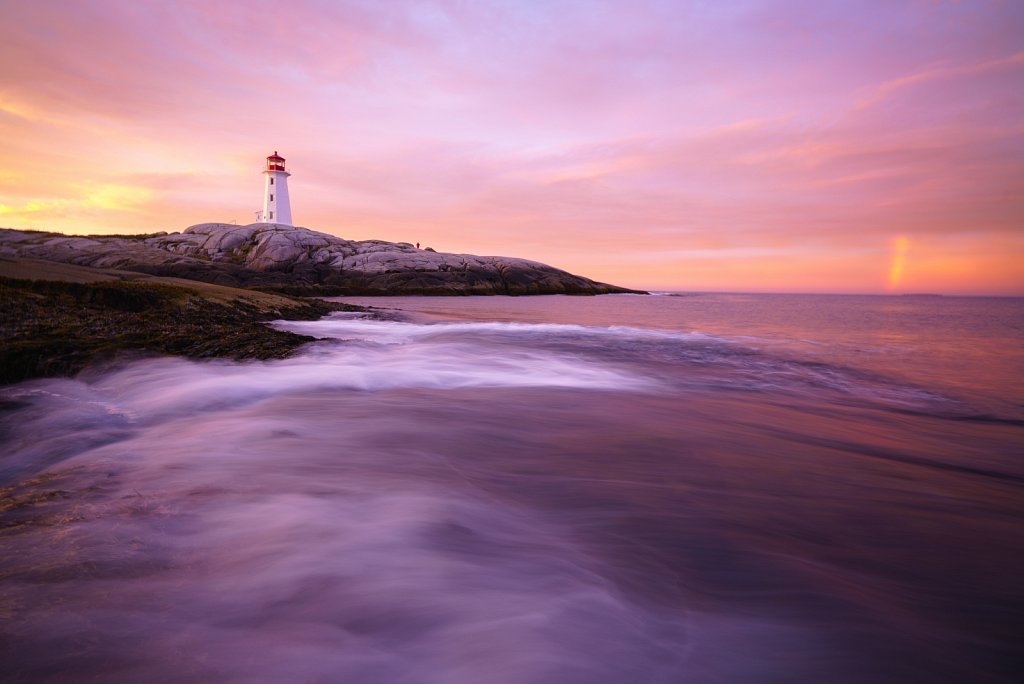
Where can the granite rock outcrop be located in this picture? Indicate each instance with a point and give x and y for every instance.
(302, 261)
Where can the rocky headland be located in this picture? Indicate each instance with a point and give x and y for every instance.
(68, 302)
(301, 261)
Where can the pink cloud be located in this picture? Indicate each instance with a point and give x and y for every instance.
(779, 136)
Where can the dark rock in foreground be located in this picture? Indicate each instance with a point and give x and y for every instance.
(58, 324)
(302, 261)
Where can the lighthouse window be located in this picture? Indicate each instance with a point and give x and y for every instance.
(271, 197)
(271, 214)
(271, 180)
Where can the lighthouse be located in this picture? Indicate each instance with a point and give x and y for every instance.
(276, 207)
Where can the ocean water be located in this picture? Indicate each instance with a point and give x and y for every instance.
(687, 488)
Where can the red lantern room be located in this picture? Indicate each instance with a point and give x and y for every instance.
(275, 162)
(276, 206)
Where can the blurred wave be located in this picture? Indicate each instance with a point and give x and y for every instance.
(505, 501)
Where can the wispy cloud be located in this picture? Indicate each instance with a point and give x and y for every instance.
(1014, 62)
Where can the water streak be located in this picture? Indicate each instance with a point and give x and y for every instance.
(506, 501)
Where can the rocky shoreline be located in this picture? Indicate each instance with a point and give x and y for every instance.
(67, 302)
(300, 261)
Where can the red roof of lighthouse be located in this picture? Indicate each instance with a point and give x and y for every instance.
(276, 156)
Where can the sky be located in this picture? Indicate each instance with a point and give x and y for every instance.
(748, 145)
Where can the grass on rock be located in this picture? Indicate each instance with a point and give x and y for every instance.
(56, 328)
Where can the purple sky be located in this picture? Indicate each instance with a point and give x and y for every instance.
(787, 146)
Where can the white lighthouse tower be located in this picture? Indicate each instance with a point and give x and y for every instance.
(276, 207)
